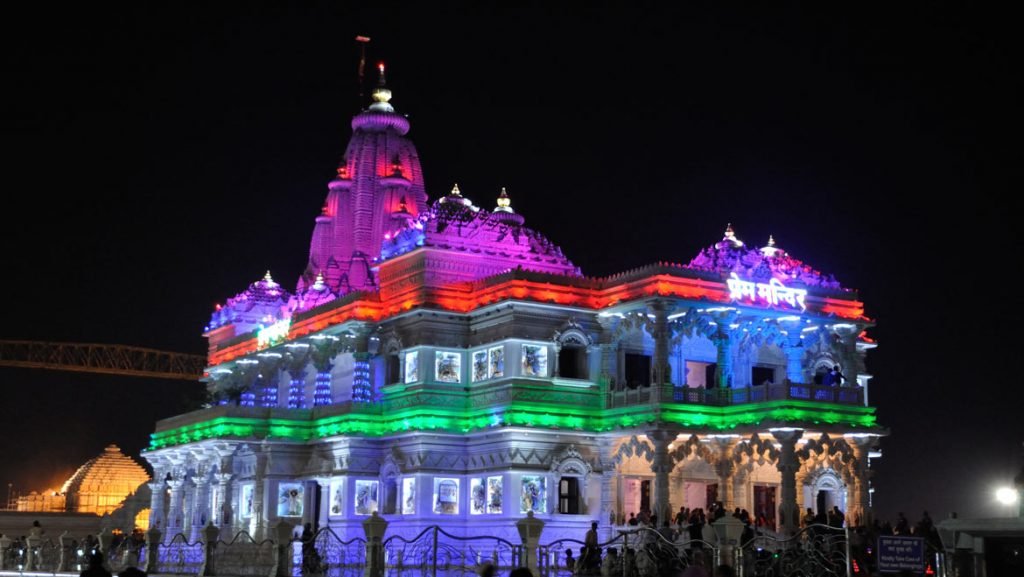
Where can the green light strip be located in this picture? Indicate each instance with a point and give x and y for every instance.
(520, 414)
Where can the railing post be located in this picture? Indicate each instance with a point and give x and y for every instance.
(374, 527)
(282, 533)
(153, 537)
(210, 535)
(5, 544)
(530, 529)
(65, 551)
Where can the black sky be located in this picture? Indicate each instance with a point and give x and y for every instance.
(158, 157)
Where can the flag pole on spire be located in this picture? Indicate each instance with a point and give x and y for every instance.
(362, 40)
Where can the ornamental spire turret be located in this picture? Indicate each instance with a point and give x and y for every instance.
(504, 213)
(729, 240)
(504, 202)
(770, 250)
(455, 196)
(381, 94)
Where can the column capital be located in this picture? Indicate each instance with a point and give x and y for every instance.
(788, 437)
(176, 484)
(223, 478)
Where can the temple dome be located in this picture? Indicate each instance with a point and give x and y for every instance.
(103, 482)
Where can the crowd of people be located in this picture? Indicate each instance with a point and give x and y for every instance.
(685, 534)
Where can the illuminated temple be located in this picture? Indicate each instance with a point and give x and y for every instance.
(100, 486)
(442, 362)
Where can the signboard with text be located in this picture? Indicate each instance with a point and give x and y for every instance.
(898, 553)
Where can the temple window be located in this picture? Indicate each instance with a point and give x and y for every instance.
(569, 495)
(699, 374)
(762, 375)
(637, 370)
(572, 361)
(393, 369)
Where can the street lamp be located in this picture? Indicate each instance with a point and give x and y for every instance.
(1007, 496)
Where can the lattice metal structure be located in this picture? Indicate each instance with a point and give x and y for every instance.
(102, 359)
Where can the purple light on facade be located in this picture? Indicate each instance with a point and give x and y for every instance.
(268, 393)
(362, 390)
(296, 396)
(322, 392)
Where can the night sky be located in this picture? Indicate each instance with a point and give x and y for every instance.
(158, 158)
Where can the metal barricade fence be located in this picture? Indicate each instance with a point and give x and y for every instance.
(327, 554)
(243, 556)
(435, 552)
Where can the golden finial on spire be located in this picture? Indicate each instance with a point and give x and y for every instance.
(319, 282)
(771, 240)
(381, 94)
(455, 190)
(729, 232)
(268, 278)
(504, 202)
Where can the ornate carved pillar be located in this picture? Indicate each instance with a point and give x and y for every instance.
(793, 346)
(858, 508)
(557, 346)
(661, 465)
(322, 516)
(662, 369)
(362, 369)
(222, 518)
(788, 465)
(258, 523)
(189, 508)
(847, 345)
(200, 506)
(296, 361)
(725, 467)
(609, 482)
(158, 492)
(609, 354)
(723, 362)
(174, 512)
(270, 365)
(322, 355)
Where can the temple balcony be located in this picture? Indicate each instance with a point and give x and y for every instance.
(719, 397)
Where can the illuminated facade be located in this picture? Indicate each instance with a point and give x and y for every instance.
(440, 362)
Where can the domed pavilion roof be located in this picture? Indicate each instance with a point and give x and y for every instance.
(111, 472)
(731, 255)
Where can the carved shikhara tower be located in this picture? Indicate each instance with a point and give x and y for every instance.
(444, 363)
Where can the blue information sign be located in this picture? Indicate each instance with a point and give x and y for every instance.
(897, 553)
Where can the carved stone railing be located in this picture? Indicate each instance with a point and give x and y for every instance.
(719, 397)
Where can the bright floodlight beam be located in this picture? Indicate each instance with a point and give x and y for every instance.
(1006, 495)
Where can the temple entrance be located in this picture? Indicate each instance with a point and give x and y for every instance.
(699, 495)
(764, 506)
(637, 496)
(825, 490)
